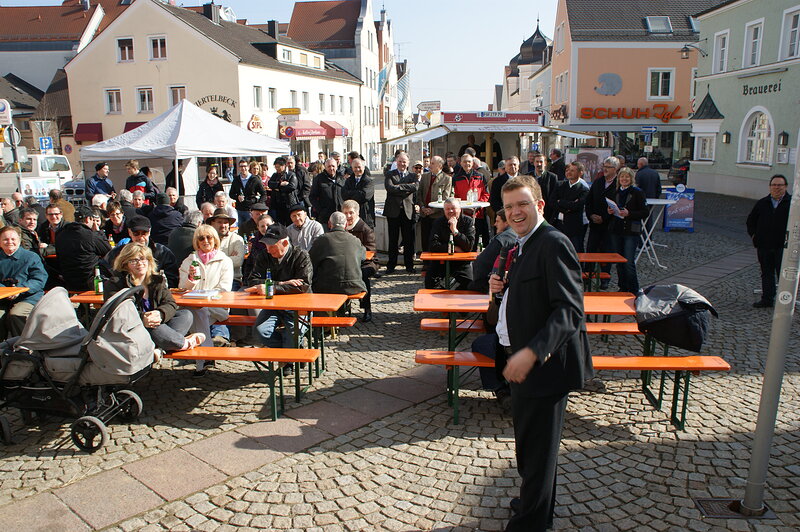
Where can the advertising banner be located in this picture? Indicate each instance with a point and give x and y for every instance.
(679, 215)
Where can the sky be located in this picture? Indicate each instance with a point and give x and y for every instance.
(456, 50)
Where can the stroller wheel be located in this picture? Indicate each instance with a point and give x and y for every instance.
(5, 431)
(89, 434)
(130, 405)
(28, 417)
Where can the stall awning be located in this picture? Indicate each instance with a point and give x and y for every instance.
(497, 128)
(91, 132)
(334, 129)
(571, 134)
(132, 125)
(307, 129)
(426, 135)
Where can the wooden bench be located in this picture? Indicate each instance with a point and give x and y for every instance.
(264, 359)
(683, 366)
(443, 324)
(617, 328)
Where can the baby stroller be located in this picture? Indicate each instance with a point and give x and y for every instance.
(58, 367)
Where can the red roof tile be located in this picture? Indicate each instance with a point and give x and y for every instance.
(326, 24)
(66, 22)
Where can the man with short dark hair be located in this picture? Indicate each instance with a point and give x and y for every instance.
(164, 219)
(139, 231)
(47, 229)
(67, 210)
(99, 183)
(303, 180)
(336, 259)
(359, 186)
(326, 192)
(557, 165)
(766, 225)
(138, 181)
(18, 267)
(79, 249)
(542, 331)
(527, 166)
(27, 224)
(284, 191)
(548, 181)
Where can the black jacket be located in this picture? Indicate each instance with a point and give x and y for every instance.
(180, 241)
(165, 261)
(366, 236)
(649, 181)
(44, 236)
(495, 192)
(304, 181)
(79, 250)
(164, 220)
(636, 204)
(336, 258)
(400, 194)
(283, 197)
(483, 264)
(326, 196)
(253, 192)
(158, 293)
(767, 225)
(596, 200)
(548, 182)
(545, 313)
(141, 182)
(296, 265)
(440, 235)
(205, 192)
(127, 209)
(362, 193)
(571, 202)
(108, 230)
(559, 168)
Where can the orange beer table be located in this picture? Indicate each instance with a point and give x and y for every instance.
(451, 302)
(447, 258)
(597, 259)
(609, 303)
(11, 291)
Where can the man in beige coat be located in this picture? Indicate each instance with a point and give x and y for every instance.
(433, 184)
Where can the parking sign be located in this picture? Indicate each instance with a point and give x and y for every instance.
(45, 143)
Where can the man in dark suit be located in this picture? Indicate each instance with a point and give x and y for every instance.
(401, 185)
(360, 188)
(303, 179)
(542, 330)
(597, 212)
(326, 192)
(285, 192)
(648, 179)
(462, 230)
(569, 200)
(547, 182)
(557, 165)
(766, 225)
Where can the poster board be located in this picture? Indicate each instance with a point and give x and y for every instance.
(679, 215)
(591, 158)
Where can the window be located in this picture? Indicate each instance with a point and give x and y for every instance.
(124, 50)
(273, 98)
(565, 94)
(658, 25)
(341, 105)
(321, 103)
(720, 52)
(317, 62)
(366, 116)
(158, 48)
(144, 100)
(294, 98)
(662, 82)
(693, 85)
(257, 97)
(304, 59)
(305, 102)
(704, 148)
(333, 104)
(287, 55)
(176, 94)
(790, 35)
(352, 106)
(753, 34)
(560, 38)
(757, 139)
(113, 101)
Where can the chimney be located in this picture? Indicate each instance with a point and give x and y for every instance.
(272, 29)
(211, 12)
(86, 4)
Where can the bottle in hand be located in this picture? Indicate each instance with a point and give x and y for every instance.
(196, 266)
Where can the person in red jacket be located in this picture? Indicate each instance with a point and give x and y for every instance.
(465, 181)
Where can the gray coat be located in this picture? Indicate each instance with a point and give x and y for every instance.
(336, 258)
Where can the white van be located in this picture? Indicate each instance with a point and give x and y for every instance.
(40, 173)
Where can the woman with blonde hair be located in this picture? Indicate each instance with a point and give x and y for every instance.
(166, 323)
(207, 268)
(625, 228)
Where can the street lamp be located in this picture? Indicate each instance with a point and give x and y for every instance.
(686, 49)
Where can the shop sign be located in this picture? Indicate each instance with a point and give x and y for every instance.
(661, 111)
(560, 113)
(218, 105)
(254, 124)
(753, 90)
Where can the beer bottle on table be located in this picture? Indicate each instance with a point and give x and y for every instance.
(269, 286)
(451, 246)
(98, 281)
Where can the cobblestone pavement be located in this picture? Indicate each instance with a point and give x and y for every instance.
(372, 445)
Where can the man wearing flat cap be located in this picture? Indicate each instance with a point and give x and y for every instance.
(303, 231)
(251, 226)
(139, 231)
(290, 268)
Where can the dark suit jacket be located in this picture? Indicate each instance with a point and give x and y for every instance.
(559, 168)
(440, 235)
(253, 192)
(596, 201)
(649, 181)
(548, 182)
(400, 194)
(571, 201)
(362, 193)
(545, 312)
(326, 196)
(766, 225)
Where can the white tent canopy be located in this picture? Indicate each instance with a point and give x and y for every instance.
(181, 132)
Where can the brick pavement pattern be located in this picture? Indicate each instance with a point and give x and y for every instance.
(372, 446)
